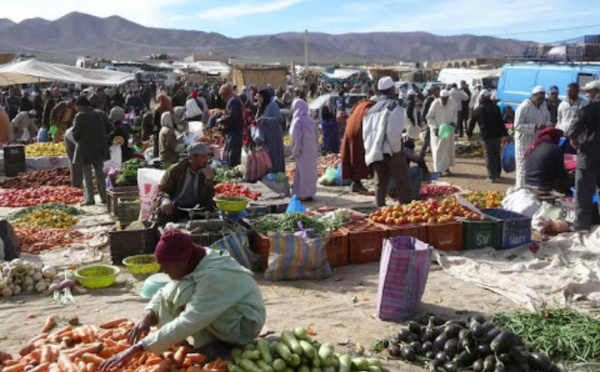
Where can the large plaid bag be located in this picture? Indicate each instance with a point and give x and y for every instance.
(297, 258)
(239, 248)
(258, 164)
(403, 272)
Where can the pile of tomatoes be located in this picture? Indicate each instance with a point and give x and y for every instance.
(234, 189)
(484, 200)
(40, 195)
(430, 211)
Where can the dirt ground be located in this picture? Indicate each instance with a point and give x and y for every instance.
(340, 309)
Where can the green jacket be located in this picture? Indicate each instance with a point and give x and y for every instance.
(219, 299)
(173, 181)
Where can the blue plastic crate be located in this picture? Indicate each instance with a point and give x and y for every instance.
(515, 230)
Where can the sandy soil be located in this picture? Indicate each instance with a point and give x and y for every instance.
(340, 309)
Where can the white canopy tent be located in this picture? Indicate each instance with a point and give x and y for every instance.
(34, 71)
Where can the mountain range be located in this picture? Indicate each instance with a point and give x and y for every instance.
(78, 34)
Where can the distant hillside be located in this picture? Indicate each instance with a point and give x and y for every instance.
(81, 34)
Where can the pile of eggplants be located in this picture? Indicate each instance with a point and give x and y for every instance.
(476, 345)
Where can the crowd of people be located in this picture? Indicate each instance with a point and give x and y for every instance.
(375, 137)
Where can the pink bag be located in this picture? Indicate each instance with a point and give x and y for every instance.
(403, 272)
(258, 163)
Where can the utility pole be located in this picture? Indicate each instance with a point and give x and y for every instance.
(305, 52)
(116, 51)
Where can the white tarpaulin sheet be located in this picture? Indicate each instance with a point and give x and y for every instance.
(563, 269)
(32, 71)
(341, 73)
(207, 67)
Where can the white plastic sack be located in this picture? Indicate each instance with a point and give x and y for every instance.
(522, 201)
(148, 181)
(244, 155)
(196, 128)
(116, 158)
(149, 154)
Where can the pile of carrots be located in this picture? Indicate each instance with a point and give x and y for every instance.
(82, 348)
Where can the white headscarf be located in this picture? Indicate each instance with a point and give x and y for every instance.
(166, 121)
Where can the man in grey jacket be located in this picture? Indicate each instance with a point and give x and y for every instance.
(90, 131)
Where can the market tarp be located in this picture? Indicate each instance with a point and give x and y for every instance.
(562, 271)
(341, 73)
(33, 71)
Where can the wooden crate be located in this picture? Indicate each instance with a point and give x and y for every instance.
(365, 241)
(112, 197)
(125, 243)
(446, 236)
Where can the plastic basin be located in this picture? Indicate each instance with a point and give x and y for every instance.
(96, 276)
(153, 283)
(570, 161)
(231, 204)
(141, 264)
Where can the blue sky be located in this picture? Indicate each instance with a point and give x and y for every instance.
(520, 19)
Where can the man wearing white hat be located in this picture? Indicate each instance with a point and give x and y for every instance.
(382, 136)
(442, 111)
(492, 128)
(585, 136)
(532, 116)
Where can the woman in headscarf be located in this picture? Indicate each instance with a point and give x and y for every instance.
(305, 149)
(544, 163)
(62, 116)
(331, 133)
(167, 140)
(164, 105)
(120, 136)
(269, 118)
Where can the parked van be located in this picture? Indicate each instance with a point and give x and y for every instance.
(518, 80)
(472, 77)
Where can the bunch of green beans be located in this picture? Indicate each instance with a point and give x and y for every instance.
(564, 334)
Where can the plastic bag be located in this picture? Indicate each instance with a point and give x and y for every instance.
(295, 206)
(257, 134)
(148, 181)
(338, 177)
(297, 258)
(446, 130)
(523, 202)
(116, 158)
(508, 158)
(328, 179)
(403, 273)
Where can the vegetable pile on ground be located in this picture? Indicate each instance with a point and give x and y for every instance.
(128, 174)
(290, 171)
(82, 348)
(71, 211)
(486, 199)
(430, 211)
(37, 150)
(289, 223)
(35, 240)
(43, 177)
(228, 175)
(430, 191)
(456, 346)
(563, 334)
(19, 276)
(234, 189)
(40, 195)
(47, 218)
(212, 137)
(296, 351)
(470, 149)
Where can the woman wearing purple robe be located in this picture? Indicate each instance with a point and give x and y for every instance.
(305, 148)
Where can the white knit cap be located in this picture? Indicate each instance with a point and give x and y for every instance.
(538, 89)
(444, 93)
(385, 83)
(485, 93)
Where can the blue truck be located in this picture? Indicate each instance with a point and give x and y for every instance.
(518, 79)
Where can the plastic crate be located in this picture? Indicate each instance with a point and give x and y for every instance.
(278, 208)
(128, 209)
(112, 197)
(481, 234)
(213, 231)
(14, 160)
(412, 230)
(125, 243)
(446, 236)
(365, 241)
(515, 228)
(337, 248)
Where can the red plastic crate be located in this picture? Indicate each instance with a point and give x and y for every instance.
(417, 231)
(365, 241)
(337, 248)
(446, 236)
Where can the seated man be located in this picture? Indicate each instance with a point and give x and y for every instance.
(416, 173)
(544, 163)
(210, 298)
(185, 185)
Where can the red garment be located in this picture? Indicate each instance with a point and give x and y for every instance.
(194, 94)
(248, 116)
(175, 246)
(550, 134)
(353, 147)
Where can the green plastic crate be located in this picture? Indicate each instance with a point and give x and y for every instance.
(481, 234)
